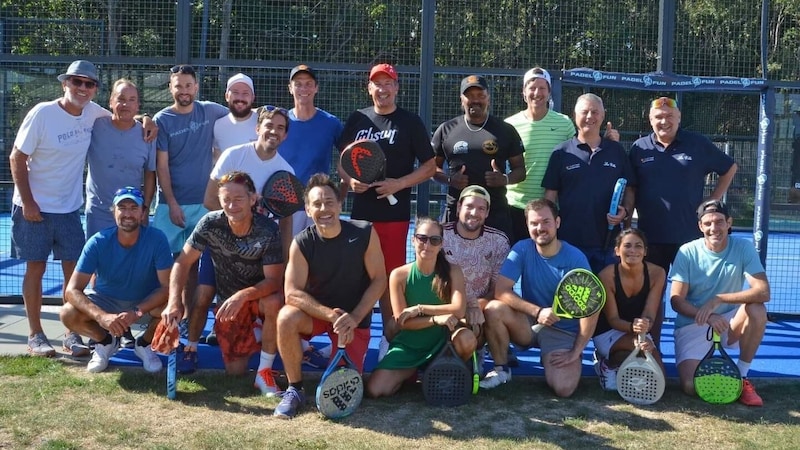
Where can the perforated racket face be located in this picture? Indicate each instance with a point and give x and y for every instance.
(447, 380)
(283, 194)
(363, 160)
(640, 383)
(717, 380)
(340, 394)
(579, 294)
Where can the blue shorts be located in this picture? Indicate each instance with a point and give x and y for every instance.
(177, 236)
(60, 233)
(109, 304)
(205, 270)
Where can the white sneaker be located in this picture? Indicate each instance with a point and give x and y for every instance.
(150, 361)
(383, 348)
(605, 374)
(101, 355)
(495, 378)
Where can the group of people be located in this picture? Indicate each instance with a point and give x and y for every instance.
(527, 201)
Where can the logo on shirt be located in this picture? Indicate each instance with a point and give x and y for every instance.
(490, 147)
(351, 240)
(573, 167)
(648, 159)
(682, 157)
(609, 164)
(376, 135)
(460, 147)
(193, 127)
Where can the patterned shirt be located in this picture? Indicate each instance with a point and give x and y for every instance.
(480, 259)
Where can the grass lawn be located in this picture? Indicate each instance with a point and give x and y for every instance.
(55, 404)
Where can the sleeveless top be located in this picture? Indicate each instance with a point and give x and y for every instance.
(629, 308)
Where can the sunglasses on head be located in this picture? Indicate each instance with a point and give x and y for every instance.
(77, 82)
(270, 108)
(238, 178)
(182, 68)
(664, 101)
(435, 240)
(129, 190)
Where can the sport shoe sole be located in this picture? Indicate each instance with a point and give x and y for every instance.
(42, 354)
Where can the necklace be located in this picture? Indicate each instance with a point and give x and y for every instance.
(466, 122)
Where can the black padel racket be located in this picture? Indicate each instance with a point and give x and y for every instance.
(282, 194)
(579, 294)
(640, 379)
(341, 387)
(364, 160)
(447, 381)
(616, 198)
(717, 379)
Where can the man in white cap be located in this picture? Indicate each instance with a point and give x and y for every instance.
(239, 125)
(47, 163)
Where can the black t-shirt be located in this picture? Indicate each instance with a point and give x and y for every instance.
(628, 308)
(404, 139)
(337, 276)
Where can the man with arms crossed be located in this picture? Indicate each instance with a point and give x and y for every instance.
(131, 265)
(707, 291)
(529, 321)
(334, 275)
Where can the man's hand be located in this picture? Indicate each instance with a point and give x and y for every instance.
(547, 317)
(173, 312)
(357, 186)
(31, 211)
(387, 187)
(150, 129)
(459, 180)
(495, 177)
(563, 358)
(705, 311)
(344, 323)
(116, 324)
(611, 132)
(176, 215)
(230, 308)
(475, 315)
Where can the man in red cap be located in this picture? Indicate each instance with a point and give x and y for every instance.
(404, 139)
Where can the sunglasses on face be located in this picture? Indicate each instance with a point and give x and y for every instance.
(238, 178)
(77, 82)
(182, 68)
(129, 190)
(664, 101)
(435, 240)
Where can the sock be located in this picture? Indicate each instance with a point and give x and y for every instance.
(141, 342)
(191, 346)
(298, 385)
(106, 340)
(266, 360)
(305, 344)
(744, 367)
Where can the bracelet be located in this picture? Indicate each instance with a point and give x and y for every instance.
(419, 309)
(506, 177)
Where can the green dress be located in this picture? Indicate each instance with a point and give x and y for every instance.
(414, 348)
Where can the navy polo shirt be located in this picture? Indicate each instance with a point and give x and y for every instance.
(585, 183)
(671, 182)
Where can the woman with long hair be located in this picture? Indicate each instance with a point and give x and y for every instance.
(428, 302)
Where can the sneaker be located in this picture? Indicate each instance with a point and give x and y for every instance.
(481, 355)
(265, 382)
(73, 345)
(183, 328)
(749, 396)
(495, 378)
(101, 355)
(511, 358)
(313, 358)
(383, 348)
(605, 374)
(127, 340)
(291, 400)
(187, 361)
(211, 339)
(38, 345)
(150, 361)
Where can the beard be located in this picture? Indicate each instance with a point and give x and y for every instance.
(244, 112)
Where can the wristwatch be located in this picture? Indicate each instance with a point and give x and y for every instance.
(137, 311)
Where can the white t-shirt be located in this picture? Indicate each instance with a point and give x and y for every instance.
(229, 132)
(245, 159)
(56, 143)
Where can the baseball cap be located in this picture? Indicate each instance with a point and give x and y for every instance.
(712, 206)
(388, 69)
(302, 68)
(80, 68)
(240, 78)
(536, 72)
(128, 193)
(473, 81)
(476, 191)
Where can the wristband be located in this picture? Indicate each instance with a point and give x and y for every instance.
(632, 328)
(536, 317)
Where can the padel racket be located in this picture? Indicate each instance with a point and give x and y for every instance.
(579, 294)
(282, 194)
(476, 376)
(717, 379)
(616, 198)
(365, 161)
(166, 340)
(640, 380)
(172, 375)
(447, 381)
(341, 388)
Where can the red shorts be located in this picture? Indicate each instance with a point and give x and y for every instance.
(236, 338)
(356, 350)
(393, 237)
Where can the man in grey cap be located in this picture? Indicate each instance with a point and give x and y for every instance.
(47, 163)
(474, 149)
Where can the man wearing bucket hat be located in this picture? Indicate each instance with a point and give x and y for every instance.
(475, 148)
(130, 264)
(47, 163)
(707, 278)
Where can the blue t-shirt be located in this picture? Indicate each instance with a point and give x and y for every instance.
(670, 184)
(585, 183)
(708, 273)
(117, 158)
(126, 274)
(540, 275)
(188, 138)
(310, 144)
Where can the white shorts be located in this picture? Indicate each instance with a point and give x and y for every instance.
(692, 341)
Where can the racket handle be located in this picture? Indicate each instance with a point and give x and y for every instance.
(392, 199)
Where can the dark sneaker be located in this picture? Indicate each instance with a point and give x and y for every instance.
(183, 329)
(127, 340)
(187, 361)
(291, 401)
(314, 358)
(38, 345)
(512, 358)
(211, 339)
(73, 345)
